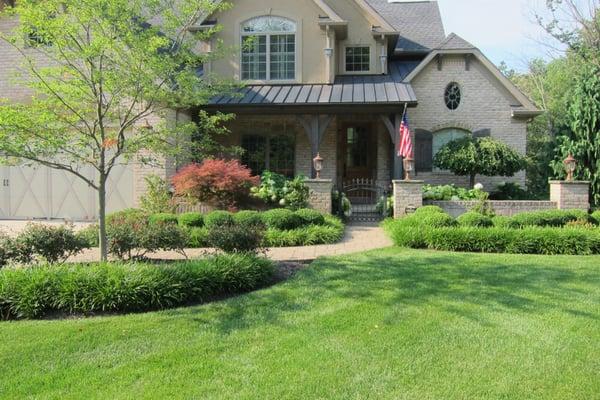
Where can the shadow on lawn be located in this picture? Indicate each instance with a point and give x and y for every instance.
(460, 284)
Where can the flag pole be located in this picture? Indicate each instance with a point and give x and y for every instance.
(400, 142)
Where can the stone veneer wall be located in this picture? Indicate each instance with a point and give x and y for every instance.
(320, 197)
(485, 104)
(506, 208)
(570, 195)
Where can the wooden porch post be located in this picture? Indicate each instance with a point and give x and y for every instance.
(315, 127)
(392, 123)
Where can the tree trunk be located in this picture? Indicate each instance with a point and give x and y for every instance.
(472, 181)
(102, 218)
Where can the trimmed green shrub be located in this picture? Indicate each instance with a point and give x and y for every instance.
(165, 218)
(236, 238)
(198, 238)
(310, 217)
(130, 235)
(52, 243)
(475, 219)
(549, 218)
(216, 219)
(470, 239)
(90, 235)
(191, 220)
(281, 219)
(435, 220)
(248, 218)
(596, 217)
(13, 250)
(132, 214)
(118, 287)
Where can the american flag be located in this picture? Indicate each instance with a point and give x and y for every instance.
(406, 147)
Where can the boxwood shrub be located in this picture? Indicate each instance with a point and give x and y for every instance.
(126, 287)
(281, 218)
(163, 218)
(310, 217)
(191, 220)
(248, 218)
(216, 219)
(475, 219)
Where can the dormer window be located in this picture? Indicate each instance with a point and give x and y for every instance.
(269, 49)
(358, 59)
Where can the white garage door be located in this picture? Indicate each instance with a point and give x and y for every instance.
(45, 193)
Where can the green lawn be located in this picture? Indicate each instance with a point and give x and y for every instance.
(390, 324)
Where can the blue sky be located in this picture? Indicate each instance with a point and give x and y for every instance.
(505, 30)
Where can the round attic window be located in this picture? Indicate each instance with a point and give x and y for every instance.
(452, 96)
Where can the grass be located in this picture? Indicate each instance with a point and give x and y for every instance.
(391, 324)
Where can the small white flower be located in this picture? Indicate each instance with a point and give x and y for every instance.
(479, 186)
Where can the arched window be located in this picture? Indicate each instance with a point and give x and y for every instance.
(269, 49)
(445, 136)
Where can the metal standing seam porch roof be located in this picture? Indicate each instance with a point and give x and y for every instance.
(346, 91)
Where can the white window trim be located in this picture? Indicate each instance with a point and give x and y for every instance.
(371, 70)
(240, 34)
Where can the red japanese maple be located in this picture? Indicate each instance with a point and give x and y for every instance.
(220, 183)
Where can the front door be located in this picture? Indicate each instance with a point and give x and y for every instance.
(357, 152)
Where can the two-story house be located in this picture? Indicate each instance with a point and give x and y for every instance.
(334, 77)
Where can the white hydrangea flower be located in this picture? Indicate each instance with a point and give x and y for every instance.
(479, 186)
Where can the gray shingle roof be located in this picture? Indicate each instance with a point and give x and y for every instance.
(418, 22)
(455, 42)
(347, 90)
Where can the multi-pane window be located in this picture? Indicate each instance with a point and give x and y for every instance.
(357, 142)
(358, 59)
(269, 49)
(269, 153)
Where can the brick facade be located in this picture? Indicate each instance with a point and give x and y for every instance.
(408, 196)
(506, 208)
(320, 194)
(485, 104)
(570, 195)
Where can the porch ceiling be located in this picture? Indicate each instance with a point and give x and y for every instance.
(346, 92)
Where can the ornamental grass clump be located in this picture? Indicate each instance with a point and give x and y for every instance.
(475, 220)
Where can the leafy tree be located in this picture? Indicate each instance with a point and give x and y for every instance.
(548, 85)
(99, 70)
(583, 139)
(479, 156)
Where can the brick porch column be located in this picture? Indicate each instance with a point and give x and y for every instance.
(320, 194)
(573, 195)
(408, 195)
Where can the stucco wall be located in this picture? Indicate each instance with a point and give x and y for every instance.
(485, 104)
(311, 38)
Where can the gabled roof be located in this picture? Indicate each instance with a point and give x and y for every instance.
(454, 44)
(419, 23)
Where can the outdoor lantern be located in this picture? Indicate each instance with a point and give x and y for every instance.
(570, 166)
(409, 167)
(318, 164)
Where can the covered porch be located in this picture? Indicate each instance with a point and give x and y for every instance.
(352, 124)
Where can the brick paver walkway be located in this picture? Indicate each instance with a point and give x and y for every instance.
(358, 238)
